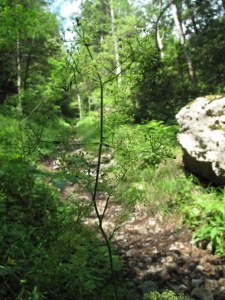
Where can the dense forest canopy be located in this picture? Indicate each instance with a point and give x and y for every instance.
(184, 59)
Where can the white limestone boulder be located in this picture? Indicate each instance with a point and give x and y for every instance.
(202, 137)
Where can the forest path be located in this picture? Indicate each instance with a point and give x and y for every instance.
(157, 253)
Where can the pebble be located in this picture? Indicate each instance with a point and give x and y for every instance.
(169, 259)
(140, 265)
(182, 287)
(221, 281)
(142, 230)
(210, 284)
(196, 282)
(200, 268)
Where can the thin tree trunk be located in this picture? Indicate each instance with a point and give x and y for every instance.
(188, 3)
(158, 37)
(89, 104)
(79, 106)
(18, 65)
(28, 63)
(182, 40)
(115, 42)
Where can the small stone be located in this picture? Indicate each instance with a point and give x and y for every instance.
(55, 168)
(121, 251)
(148, 286)
(151, 222)
(155, 251)
(142, 230)
(173, 247)
(196, 282)
(201, 293)
(221, 281)
(207, 267)
(148, 259)
(182, 287)
(192, 265)
(210, 284)
(163, 260)
(169, 259)
(146, 244)
(179, 245)
(200, 268)
(209, 247)
(140, 265)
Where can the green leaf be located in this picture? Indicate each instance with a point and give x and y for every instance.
(71, 178)
(59, 183)
(61, 208)
(4, 271)
(213, 233)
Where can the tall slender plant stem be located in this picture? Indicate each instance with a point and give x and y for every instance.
(100, 219)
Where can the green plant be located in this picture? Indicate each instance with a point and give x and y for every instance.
(81, 63)
(206, 215)
(46, 252)
(166, 295)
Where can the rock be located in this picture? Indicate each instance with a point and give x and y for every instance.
(210, 284)
(140, 265)
(169, 259)
(200, 293)
(221, 281)
(202, 137)
(141, 230)
(148, 286)
(196, 282)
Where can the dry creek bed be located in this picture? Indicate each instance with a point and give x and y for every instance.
(158, 254)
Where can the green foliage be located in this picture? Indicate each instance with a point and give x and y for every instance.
(13, 136)
(110, 131)
(206, 215)
(166, 295)
(45, 251)
(9, 136)
(87, 129)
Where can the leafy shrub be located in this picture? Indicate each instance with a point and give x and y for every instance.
(9, 136)
(166, 295)
(206, 215)
(36, 228)
(166, 132)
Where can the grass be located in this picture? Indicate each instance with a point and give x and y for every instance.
(169, 191)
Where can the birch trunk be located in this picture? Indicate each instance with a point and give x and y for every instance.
(79, 106)
(158, 37)
(182, 40)
(115, 42)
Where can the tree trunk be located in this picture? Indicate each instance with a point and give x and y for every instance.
(115, 42)
(28, 62)
(79, 106)
(190, 8)
(89, 104)
(182, 40)
(158, 37)
(18, 65)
